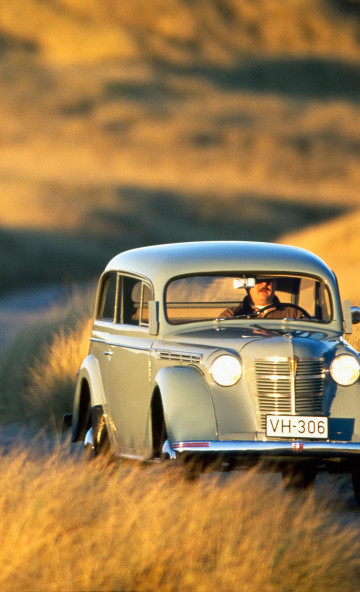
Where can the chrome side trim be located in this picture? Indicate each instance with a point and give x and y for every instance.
(162, 354)
(268, 447)
(112, 344)
(137, 347)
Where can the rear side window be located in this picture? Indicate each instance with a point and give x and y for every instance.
(107, 302)
(124, 299)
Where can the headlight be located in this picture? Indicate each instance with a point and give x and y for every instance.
(345, 369)
(226, 370)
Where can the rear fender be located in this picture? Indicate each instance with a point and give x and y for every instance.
(188, 407)
(89, 392)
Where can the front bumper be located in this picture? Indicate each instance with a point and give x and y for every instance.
(270, 448)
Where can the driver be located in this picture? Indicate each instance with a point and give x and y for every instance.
(258, 297)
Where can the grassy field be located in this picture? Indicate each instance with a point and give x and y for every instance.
(124, 528)
(73, 526)
(39, 365)
(235, 119)
(337, 242)
(132, 123)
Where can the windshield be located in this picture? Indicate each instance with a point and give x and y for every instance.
(195, 298)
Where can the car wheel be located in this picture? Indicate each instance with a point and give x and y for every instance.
(356, 484)
(88, 445)
(96, 440)
(299, 476)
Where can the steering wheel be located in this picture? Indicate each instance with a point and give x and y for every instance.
(282, 306)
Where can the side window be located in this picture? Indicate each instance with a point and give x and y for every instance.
(146, 296)
(106, 309)
(324, 304)
(135, 296)
(307, 295)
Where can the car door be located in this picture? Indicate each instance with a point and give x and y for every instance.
(103, 330)
(127, 377)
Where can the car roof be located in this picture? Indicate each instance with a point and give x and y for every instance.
(161, 262)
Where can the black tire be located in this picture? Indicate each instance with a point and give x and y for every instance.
(96, 439)
(159, 432)
(101, 440)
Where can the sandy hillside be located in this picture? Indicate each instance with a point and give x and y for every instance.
(337, 242)
(126, 124)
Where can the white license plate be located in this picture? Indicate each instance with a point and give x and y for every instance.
(296, 426)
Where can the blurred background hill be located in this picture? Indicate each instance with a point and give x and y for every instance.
(131, 123)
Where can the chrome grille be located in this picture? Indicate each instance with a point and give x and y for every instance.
(289, 386)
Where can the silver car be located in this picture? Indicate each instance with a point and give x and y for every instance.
(180, 367)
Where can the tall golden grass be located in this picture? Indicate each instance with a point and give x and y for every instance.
(51, 380)
(119, 119)
(68, 526)
(38, 367)
(337, 243)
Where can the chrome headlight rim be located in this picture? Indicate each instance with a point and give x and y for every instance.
(226, 370)
(345, 369)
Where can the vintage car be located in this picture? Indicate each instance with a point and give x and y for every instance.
(172, 374)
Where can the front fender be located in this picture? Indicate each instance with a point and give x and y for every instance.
(187, 404)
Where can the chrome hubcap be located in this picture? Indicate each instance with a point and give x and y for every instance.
(88, 441)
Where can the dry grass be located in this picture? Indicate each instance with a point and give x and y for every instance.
(354, 338)
(51, 380)
(199, 120)
(38, 368)
(337, 242)
(128, 123)
(86, 528)
(72, 31)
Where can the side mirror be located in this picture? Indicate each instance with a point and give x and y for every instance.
(351, 316)
(153, 317)
(355, 315)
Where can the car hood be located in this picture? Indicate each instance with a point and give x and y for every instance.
(272, 341)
